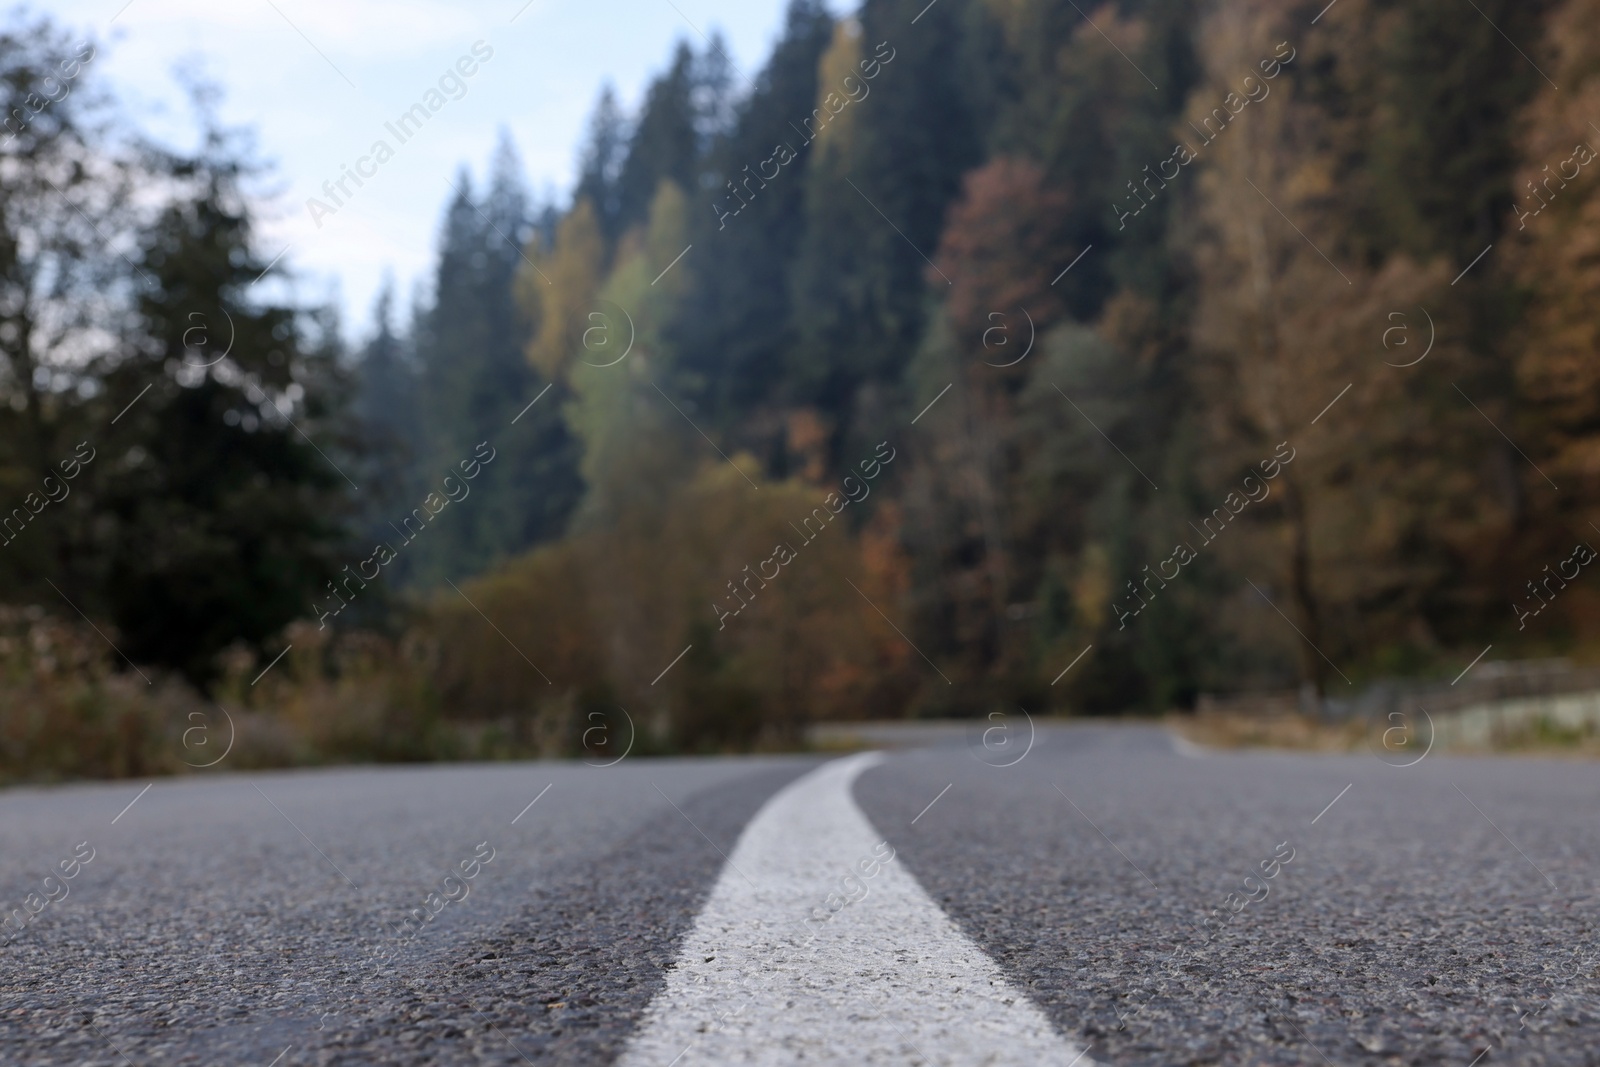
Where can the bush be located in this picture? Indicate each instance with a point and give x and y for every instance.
(66, 713)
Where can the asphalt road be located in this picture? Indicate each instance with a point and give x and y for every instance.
(1442, 913)
(1421, 915)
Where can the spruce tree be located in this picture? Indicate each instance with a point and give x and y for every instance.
(600, 160)
(665, 141)
(389, 406)
(881, 175)
(476, 381)
(734, 326)
(221, 490)
(66, 222)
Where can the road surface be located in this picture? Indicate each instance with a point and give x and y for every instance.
(1082, 900)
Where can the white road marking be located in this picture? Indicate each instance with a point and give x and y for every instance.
(888, 979)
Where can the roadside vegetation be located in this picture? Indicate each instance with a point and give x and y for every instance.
(980, 393)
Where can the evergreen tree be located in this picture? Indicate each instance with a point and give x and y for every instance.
(476, 381)
(389, 407)
(735, 325)
(387, 402)
(1095, 107)
(221, 486)
(882, 172)
(665, 142)
(711, 95)
(1444, 137)
(600, 161)
(65, 218)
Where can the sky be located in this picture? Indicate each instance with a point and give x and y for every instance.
(318, 79)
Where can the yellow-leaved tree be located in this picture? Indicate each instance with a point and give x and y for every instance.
(557, 290)
(1554, 251)
(1291, 321)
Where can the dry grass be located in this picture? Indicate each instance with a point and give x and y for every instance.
(1223, 729)
(1296, 732)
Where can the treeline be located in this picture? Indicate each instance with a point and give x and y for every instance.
(1179, 265)
(1138, 297)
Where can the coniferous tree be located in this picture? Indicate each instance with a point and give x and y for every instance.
(476, 382)
(665, 142)
(1212, 315)
(600, 160)
(712, 95)
(65, 216)
(882, 172)
(1443, 131)
(735, 324)
(222, 496)
(388, 396)
(389, 406)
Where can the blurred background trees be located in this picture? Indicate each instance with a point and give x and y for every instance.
(158, 445)
(690, 409)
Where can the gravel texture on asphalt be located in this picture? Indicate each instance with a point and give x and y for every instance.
(211, 928)
(1443, 913)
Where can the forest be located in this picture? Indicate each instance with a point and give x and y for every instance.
(968, 355)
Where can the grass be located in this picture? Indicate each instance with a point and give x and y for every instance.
(1297, 732)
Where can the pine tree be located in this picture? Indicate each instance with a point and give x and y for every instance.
(877, 190)
(665, 142)
(388, 404)
(731, 332)
(1450, 89)
(600, 161)
(388, 394)
(470, 348)
(66, 218)
(1094, 106)
(222, 494)
(712, 95)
